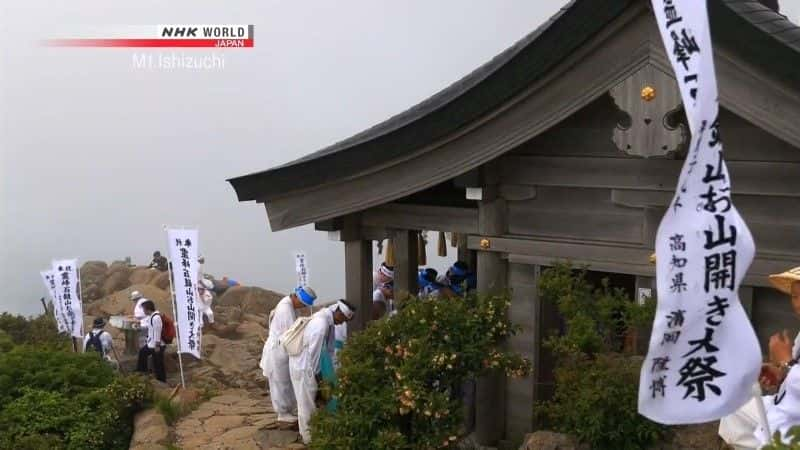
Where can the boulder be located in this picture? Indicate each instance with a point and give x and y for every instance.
(252, 300)
(93, 274)
(693, 437)
(119, 303)
(142, 275)
(547, 440)
(93, 271)
(161, 281)
(117, 280)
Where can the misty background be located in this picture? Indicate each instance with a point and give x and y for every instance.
(96, 155)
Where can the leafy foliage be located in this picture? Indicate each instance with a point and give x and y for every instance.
(40, 330)
(596, 390)
(793, 436)
(399, 380)
(52, 398)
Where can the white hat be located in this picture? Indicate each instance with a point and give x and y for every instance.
(784, 281)
(207, 283)
(135, 295)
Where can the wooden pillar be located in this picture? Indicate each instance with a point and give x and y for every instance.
(490, 402)
(525, 312)
(358, 281)
(405, 267)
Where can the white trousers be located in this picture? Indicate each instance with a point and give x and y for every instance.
(738, 429)
(275, 364)
(305, 392)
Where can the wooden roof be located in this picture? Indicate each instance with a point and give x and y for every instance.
(755, 33)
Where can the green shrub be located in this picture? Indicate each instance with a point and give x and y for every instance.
(6, 344)
(60, 400)
(40, 330)
(50, 370)
(596, 386)
(399, 380)
(777, 444)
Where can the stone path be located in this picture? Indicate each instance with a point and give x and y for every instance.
(235, 419)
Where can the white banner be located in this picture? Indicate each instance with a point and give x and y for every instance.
(65, 274)
(183, 249)
(48, 277)
(703, 356)
(301, 267)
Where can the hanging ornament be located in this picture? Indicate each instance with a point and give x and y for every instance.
(389, 259)
(422, 256)
(441, 249)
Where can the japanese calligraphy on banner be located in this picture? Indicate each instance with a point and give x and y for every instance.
(301, 268)
(65, 277)
(182, 246)
(48, 277)
(703, 356)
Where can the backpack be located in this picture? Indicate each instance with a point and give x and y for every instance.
(94, 342)
(292, 339)
(167, 328)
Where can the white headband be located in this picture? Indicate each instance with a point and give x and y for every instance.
(341, 306)
(386, 271)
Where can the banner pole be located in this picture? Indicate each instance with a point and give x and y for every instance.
(175, 316)
(80, 296)
(762, 412)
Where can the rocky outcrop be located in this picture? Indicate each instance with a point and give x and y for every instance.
(251, 299)
(235, 419)
(150, 430)
(241, 416)
(93, 274)
(119, 303)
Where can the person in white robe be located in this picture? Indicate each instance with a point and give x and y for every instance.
(204, 291)
(742, 429)
(274, 360)
(318, 337)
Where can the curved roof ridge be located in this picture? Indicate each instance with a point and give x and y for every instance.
(760, 35)
(769, 21)
(437, 100)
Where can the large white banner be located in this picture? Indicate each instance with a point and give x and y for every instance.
(703, 356)
(65, 274)
(48, 277)
(183, 251)
(301, 267)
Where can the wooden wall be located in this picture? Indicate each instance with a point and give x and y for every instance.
(587, 189)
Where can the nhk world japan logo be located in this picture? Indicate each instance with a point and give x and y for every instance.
(158, 36)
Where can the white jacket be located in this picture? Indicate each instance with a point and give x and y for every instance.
(319, 331)
(283, 318)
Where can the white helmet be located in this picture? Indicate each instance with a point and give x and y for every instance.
(135, 295)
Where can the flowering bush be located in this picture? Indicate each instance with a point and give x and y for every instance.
(399, 380)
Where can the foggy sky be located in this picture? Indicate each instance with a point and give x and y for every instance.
(97, 156)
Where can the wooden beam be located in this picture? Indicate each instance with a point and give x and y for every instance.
(358, 281)
(604, 257)
(645, 174)
(422, 217)
(405, 268)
